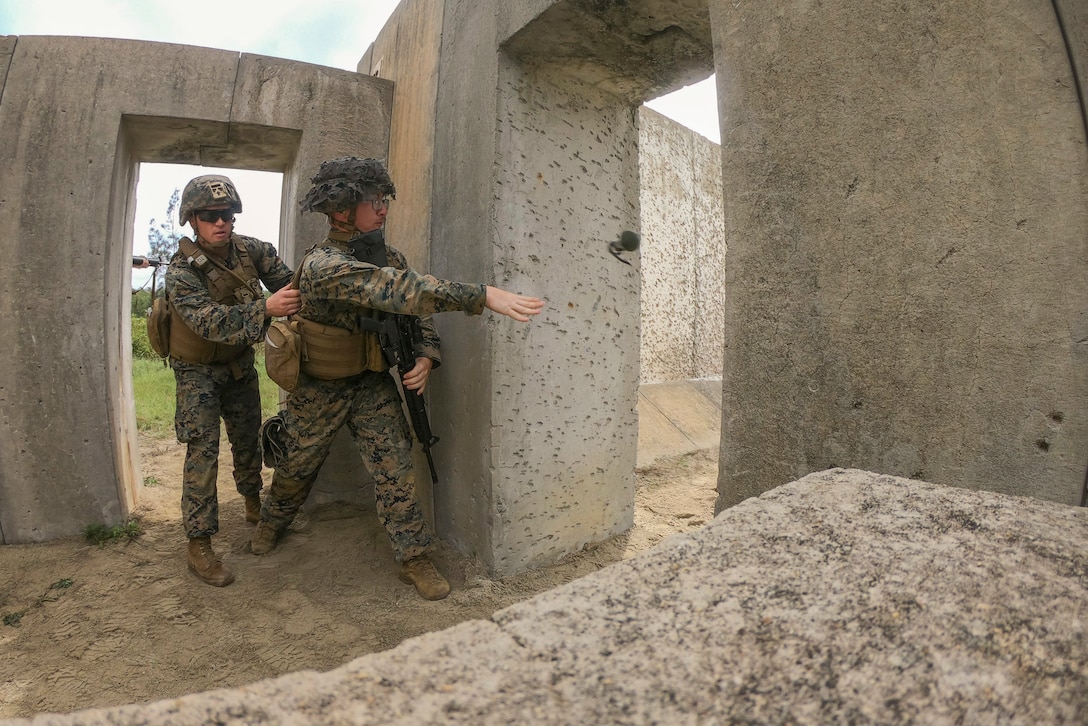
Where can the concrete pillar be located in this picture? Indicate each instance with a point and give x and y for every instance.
(77, 116)
(683, 252)
(546, 467)
(905, 198)
(535, 170)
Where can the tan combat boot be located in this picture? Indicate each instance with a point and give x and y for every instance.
(428, 581)
(205, 564)
(264, 539)
(253, 508)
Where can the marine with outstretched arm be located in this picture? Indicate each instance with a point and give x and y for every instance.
(350, 277)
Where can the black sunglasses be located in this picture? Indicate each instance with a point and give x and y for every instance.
(214, 215)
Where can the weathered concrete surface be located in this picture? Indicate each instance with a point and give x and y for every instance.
(683, 252)
(906, 203)
(535, 170)
(678, 417)
(407, 50)
(845, 597)
(635, 50)
(77, 116)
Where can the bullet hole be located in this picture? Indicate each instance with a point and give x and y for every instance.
(1057, 417)
(857, 404)
(851, 188)
(1042, 445)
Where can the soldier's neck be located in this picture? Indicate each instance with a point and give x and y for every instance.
(220, 253)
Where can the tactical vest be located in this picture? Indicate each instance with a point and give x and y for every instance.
(329, 352)
(226, 287)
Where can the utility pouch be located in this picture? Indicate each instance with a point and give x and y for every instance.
(158, 327)
(283, 353)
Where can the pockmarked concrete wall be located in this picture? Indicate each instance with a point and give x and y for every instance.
(77, 116)
(513, 181)
(534, 171)
(406, 50)
(907, 213)
(683, 252)
(844, 597)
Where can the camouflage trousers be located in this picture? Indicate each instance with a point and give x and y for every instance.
(370, 405)
(206, 394)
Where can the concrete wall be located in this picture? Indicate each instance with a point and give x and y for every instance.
(683, 252)
(77, 116)
(551, 475)
(535, 169)
(907, 210)
(845, 597)
(407, 50)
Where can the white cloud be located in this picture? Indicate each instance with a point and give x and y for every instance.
(319, 31)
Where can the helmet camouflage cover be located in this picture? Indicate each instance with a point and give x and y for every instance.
(341, 183)
(208, 191)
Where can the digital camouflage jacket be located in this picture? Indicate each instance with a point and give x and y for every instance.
(337, 289)
(242, 323)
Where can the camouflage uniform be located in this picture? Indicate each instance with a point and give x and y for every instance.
(337, 290)
(206, 393)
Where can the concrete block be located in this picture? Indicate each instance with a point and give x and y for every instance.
(892, 175)
(843, 597)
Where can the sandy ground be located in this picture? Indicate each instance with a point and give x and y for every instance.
(87, 626)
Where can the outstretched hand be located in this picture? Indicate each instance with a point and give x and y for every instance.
(283, 302)
(519, 307)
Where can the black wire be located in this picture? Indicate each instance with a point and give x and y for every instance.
(1076, 84)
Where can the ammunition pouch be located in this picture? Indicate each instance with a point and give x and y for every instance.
(283, 353)
(158, 327)
(188, 347)
(330, 353)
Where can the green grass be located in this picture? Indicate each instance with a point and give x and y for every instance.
(100, 534)
(153, 387)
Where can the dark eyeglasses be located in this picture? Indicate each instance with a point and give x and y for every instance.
(214, 215)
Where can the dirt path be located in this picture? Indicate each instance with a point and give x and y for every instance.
(87, 626)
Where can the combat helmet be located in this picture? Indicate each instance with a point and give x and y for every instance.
(341, 183)
(208, 191)
(273, 437)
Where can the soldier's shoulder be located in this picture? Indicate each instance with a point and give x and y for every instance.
(251, 243)
(397, 258)
(179, 265)
(326, 253)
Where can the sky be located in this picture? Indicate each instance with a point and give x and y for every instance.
(324, 32)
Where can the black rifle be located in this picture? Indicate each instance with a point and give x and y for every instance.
(399, 336)
(139, 261)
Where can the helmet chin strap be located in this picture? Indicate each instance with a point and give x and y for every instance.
(345, 225)
(196, 230)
